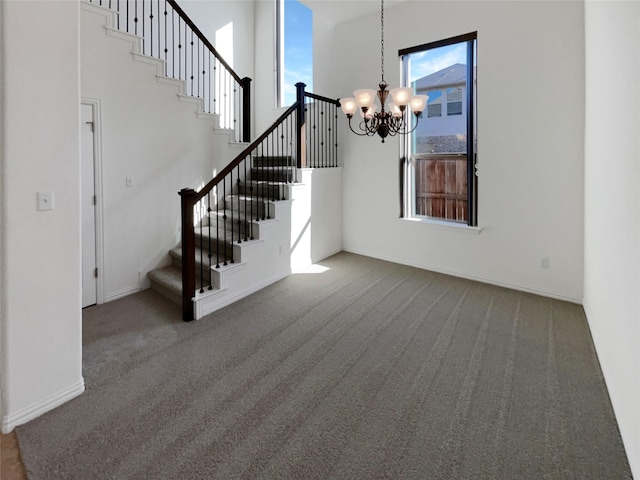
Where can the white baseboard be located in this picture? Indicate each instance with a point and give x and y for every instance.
(322, 256)
(453, 273)
(11, 421)
(121, 293)
(203, 309)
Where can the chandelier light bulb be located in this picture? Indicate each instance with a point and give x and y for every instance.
(418, 103)
(401, 95)
(365, 97)
(349, 106)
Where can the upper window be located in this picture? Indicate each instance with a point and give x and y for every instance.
(440, 181)
(454, 101)
(294, 49)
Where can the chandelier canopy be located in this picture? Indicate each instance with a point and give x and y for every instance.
(384, 122)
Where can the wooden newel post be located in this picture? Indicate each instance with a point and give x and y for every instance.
(187, 196)
(246, 109)
(301, 151)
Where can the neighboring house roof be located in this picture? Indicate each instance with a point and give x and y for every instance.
(453, 75)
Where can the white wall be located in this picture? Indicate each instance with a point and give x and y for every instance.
(316, 216)
(147, 133)
(212, 16)
(612, 206)
(215, 19)
(40, 281)
(530, 142)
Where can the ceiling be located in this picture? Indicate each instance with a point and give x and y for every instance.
(337, 11)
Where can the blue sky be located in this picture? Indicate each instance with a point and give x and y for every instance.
(429, 61)
(298, 48)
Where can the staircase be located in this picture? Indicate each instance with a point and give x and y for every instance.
(226, 238)
(237, 234)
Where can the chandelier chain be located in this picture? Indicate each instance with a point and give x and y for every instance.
(382, 38)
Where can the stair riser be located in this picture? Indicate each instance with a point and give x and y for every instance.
(272, 161)
(271, 192)
(225, 248)
(229, 224)
(272, 175)
(253, 209)
(202, 268)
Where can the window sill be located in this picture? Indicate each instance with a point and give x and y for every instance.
(444, 225)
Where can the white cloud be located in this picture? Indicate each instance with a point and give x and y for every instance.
(426, 63)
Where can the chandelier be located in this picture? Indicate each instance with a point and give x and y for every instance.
(383, 122)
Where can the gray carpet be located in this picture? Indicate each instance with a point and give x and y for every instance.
(368, 370)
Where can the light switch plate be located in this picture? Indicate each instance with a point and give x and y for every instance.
(45, 201)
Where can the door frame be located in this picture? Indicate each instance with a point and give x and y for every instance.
(96, 107)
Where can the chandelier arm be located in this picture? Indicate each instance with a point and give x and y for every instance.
(398, 127)
(366, 134)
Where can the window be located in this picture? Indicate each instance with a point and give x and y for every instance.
(434, 110)
(294, 49)
(434, 104)
(440, 179)
(454, 101)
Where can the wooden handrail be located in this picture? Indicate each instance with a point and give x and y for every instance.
(263, 173)
(204, 39)
(321, 98)
(234, 163)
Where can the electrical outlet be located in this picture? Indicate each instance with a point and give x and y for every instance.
(544, 262)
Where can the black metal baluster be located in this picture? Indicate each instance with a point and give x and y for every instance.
(218, 227)
(316, 134)
(226, 100)
(292, 137)
(247, 224)
(179, 50)
(209, 210)
(173, 44)
(259, 186)
(239, 210)
(144, 37)
(231, 207)
(135, 20)
(166, 49)
(224, 219)
(215, 83)
(151, 27)
(233, 260)
(192, 63)
(201, 247)
(232, 107)
(252, 201)
(318, 159)
(265, 177)
(322, 133)
(335, 130)
(159, 34)
(127, 16)
(185, 78)
(209, 84)
(270, 172)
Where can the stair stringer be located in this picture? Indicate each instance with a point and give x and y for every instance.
(159, 65)
(259, 263)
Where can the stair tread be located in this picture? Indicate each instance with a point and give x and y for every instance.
(169, 277)
(201, 257)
